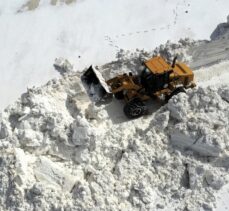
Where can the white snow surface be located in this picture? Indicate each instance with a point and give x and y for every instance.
(91, 32)
(60, 151)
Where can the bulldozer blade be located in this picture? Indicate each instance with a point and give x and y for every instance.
(95, 85)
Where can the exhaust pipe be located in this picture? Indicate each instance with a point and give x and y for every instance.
(174, 61)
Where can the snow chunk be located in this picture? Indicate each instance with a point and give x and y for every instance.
(204, 145)
(51, 174)
(179, 107)
(83, 132)
(21, 167)
(30, 138)
(3, 130)
(63, 66)
(161, 120)
(21, 161)
(214, 180)
(224, 93)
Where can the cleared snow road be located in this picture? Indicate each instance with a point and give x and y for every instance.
(209, 53)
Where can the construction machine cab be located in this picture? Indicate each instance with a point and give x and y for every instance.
(156, 75)
(154, 82)
(159, 76)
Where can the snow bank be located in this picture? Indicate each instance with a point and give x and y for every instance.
(61, 151)
(88, 32)
(202, 118)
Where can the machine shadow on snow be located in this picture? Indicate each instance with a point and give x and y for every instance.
(116, 114)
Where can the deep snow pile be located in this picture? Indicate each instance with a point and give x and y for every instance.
(60, 151)
(127, 61)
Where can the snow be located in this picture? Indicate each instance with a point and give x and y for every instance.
(91, 32)
(51, 174)
(201, 137)
(217, 74)
(61, 151)
(73, 154)
(86, 160)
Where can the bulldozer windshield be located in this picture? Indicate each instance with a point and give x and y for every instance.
(154, 82)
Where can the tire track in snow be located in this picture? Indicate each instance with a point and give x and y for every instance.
(144, 31)
(113, 41)
(182, 3)
(203, 75)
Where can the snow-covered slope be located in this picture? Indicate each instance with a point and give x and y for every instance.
(89, 32)
(59, 151)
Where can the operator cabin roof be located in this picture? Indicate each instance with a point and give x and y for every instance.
(158, 65)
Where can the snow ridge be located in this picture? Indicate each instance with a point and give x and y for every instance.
(61, 151)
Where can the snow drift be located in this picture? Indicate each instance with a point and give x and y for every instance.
(61, 151)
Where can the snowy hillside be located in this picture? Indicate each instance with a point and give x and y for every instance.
(61, 151)
(89, 32)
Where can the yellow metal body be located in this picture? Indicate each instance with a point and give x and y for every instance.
(180, 75)
(129, 85)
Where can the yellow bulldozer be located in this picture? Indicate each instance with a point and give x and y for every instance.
(158, 78)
